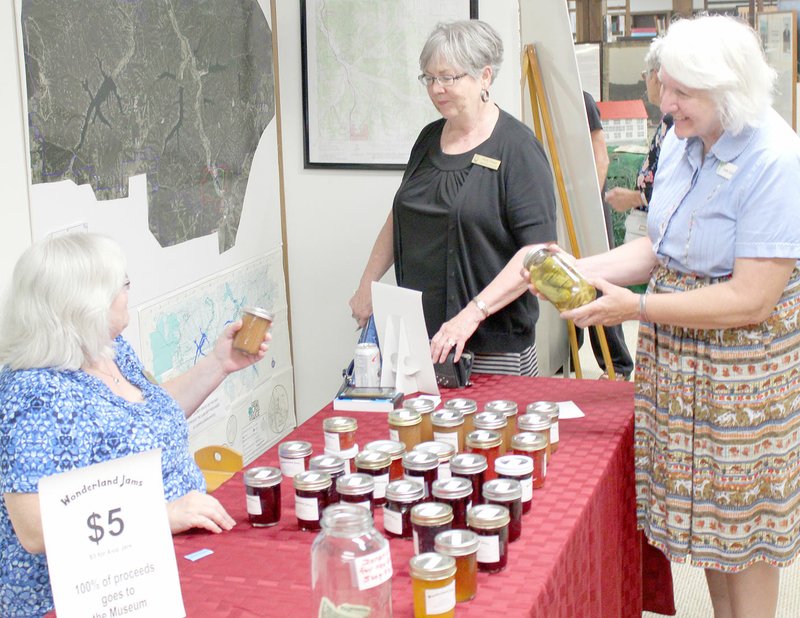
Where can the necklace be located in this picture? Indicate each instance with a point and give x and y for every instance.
(106, 373)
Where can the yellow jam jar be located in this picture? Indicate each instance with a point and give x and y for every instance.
(448, 426)
(467, 407)
(255, 324)
(405, 425)
(425, 407)
(433, 585)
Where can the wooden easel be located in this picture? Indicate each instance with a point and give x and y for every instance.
(531, 73)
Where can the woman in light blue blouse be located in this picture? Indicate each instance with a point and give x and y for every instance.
(717, 403)
(73, 393)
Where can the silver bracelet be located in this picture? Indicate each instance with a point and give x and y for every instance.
(482, 306)
(643, 308)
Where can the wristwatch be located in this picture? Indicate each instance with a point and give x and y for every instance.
(482, 306)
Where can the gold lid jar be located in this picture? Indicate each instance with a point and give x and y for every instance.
(340, 432)
(487, 443)
(256, 321)
(405, 425)
(433, 585)
(427, 520)
(461, 545)
(557, 280)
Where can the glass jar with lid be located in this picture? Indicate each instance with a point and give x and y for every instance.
(457, 492)
(444, 451)
(334, 466)
(509, 409)
(536, 423)
(462, 545)
(519, 468)
(401, 496)
(348, 457)
(558, 280)
(425, 407)
(351, 565)
(494, 421)
(421, 466)
(356, 489)
(549, 409)
(448, 427)
(471, 466)
(311, 497)
(294, 456)
(507, 493)
(467, 407)
(263, 491)
(339, 432)
(405, 425)
(395, 450)
(490, 523)
(427, 520)
(376, 464)
(534, 445)
(433, 585)
(486, 443)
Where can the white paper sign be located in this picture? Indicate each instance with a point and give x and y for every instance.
(108, 541)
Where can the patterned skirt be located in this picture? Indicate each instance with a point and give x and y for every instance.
(717, 441)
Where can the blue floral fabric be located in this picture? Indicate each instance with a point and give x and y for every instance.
(53, 421)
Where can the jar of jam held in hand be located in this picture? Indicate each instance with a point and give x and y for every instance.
(395, 450)
(423, 467)
(494, 421)
(444, 451)
(294, 457)
(351, 565)
(558, 280)
(518, 468)
(433, 585)
(356, 489)
(457, 492)
(427, 520)
(340, 433)
(463, 546)
(471, 466)
(486, 443)
(255, 324)
(376, 464)
(550, 410)
(405, 425)
(536, 423)
(490, 523)
(507, 493)
(425, 407)
(401, 496)
(467, 407)
(311, 497)
(448, 427)
(534, 445)
(334, 466)
(263, 491)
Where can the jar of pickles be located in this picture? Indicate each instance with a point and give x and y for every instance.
(405, 425)
(425, 407)
(507, 493)
(340, 432)
(444, 451)
(311, 497)
(558, 280)
(467, 407)
(263, 491)
(395, 450)
(457, 492)
(401, 496)
(487, 443)
(462, 545)
(294, 457)
(494, 421)
(433, 585)
(427, 520)
(549, 409)
(534, 445)
(376, 464)
(490, 523)
(334, 466)
(519, 468)
(536, 423)
(421, 466)
(356, 489)
(471, 466)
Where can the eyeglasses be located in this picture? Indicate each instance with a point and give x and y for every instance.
(443, 80)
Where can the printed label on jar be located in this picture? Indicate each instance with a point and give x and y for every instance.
(380, 485)
(332, 441)
(444, 473)
(450, 438)
(292, 467)
(553, 433)
(306, 509)
(527, 489)
(393, 521)
(253, 505)
(440, 600)
(394, 434)
(489, 549)
(373, 569)
(415, 536)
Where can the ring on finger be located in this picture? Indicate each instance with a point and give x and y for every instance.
(451, 342)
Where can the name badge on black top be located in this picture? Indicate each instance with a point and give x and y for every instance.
(483, 161)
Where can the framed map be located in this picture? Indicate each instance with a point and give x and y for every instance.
(362, 104)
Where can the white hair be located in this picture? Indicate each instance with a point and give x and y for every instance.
(723, 56)
(652, 61)
(469, 44)
(57, 312)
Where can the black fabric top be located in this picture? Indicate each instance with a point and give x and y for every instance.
(458, 223)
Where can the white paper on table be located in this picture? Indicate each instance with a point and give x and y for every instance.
(108, 540)
(568, 409)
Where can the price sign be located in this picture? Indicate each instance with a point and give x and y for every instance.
(109, 546)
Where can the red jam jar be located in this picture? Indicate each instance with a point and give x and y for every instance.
(401, 496)
(549, 409)
(444, 451)
(348, 457)
(405, 425)
(294, 457)
(334, 466)
(263, 491)
(467, 407)
(490, 523)
(448, 427)
(356, 489)
(340, 433)
(376, 464)
(519, 468)
(471, 466)
(486, 443)
(424, 406)
(507, 493)
(311, 497)
(457, 492)
(423, 467)
(534, 445)
(462, 545)
(395, 450)
(427, 520)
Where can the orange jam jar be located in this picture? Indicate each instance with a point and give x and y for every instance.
(534, 445)
(490, 523)
(405, 425)
(457, 492)
(487, 443)
(444, 451)
(467, 407)
(425, 407)
(494, 421)
(294, 456)
(427, 520)
(393, 449)
(462, 545)
(433, 585)
(509, 409)
(471, 466)
(519, 468)
(356, 489)
(421, 466)
(448, 427)
(376, 464)
(536, 423)
(340, 433)
(551, 410)
(255, 324)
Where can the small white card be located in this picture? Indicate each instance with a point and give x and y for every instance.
(109, 546)
(568, 409)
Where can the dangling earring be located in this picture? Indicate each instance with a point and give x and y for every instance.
(484, 95)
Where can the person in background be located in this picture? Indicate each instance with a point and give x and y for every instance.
(637, 200)
(717, 396)
(477, 191)
(73, 393)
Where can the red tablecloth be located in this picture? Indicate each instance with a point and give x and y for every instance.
(580, 554)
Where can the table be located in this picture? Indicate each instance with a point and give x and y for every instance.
(580, 554)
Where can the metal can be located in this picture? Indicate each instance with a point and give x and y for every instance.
(367, 365)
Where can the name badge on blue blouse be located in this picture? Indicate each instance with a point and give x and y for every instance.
(726, 170)
(484, 161)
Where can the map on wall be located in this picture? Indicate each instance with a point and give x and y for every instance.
(180, 91)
